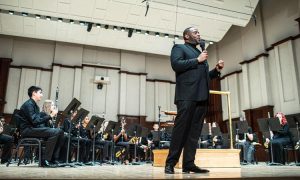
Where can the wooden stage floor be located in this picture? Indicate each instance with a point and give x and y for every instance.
(146, 171)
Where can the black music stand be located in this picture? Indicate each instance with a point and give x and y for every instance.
(242, 126)
(134, 130)
(72, 107)
(81, 114)
(111, 129)
(215, 131)
(95, 120)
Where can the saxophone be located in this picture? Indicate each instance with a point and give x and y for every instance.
(134, 140)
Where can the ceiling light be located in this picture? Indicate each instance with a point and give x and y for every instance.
(82, 23)
(130, 31)
(115, 28)
(122, 29)
(98, 25)
(106, 26)
(157, 34)
(89, 27)
(24, 14)
(210, 42)
(10, 12)
(147, 33)
(138, 31)
(176, 37)
(48, 18)
(38, 16)
(166, 35)
(71, 21)
(60, 20)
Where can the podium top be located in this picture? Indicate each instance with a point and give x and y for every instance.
(174, 113)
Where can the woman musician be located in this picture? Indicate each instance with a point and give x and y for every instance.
(281, 138)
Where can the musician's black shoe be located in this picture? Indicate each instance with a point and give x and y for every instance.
(4, 161)
(169, 169)
(194, 169)
(45, 163)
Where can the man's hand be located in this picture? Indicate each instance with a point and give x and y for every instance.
(220, 65)
(202, 57)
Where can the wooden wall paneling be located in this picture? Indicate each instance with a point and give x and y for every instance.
(4, 71)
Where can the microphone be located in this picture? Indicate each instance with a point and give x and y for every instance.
(202, 44)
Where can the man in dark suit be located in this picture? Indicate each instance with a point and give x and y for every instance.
(191, 99)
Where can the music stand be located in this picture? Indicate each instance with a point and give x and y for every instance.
(242, 126)
(73, 106)
(95, 120)
(81, 114)
(110, 128)
(134, 130)
(216, 131)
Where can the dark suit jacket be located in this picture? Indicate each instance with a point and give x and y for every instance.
(192, 78)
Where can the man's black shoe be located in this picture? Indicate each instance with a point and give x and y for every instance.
(169, 169)
(194, 169)
(45, 163)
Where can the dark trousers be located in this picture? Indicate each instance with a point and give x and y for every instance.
(54, 140)
(107, 145)
(7, 142)
(186, 132)
(277, 148)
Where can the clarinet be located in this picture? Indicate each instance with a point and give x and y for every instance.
(56, 107)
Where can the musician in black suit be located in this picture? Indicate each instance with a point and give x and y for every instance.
(191, 99)
(29, 119)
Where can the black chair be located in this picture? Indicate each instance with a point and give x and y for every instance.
(31, 142)
(291, 147)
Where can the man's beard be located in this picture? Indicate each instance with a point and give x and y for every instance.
(194, 41)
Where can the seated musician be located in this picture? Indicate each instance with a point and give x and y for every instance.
(86, 145)
(104, 139)
(246, 142)
(154, 137)
(280, 139)
(67, 127)
(142, 148)
(122, 143)
(7, 142)
(30, 117)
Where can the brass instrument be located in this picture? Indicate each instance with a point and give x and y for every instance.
(134, 140)
(120, 152)
(266, 144)
(105, 136)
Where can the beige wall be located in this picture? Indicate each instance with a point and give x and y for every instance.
(125, 94)
(271, 80)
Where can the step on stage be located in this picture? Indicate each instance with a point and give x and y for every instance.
(215, 158)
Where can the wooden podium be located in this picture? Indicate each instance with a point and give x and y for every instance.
(204, 158)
